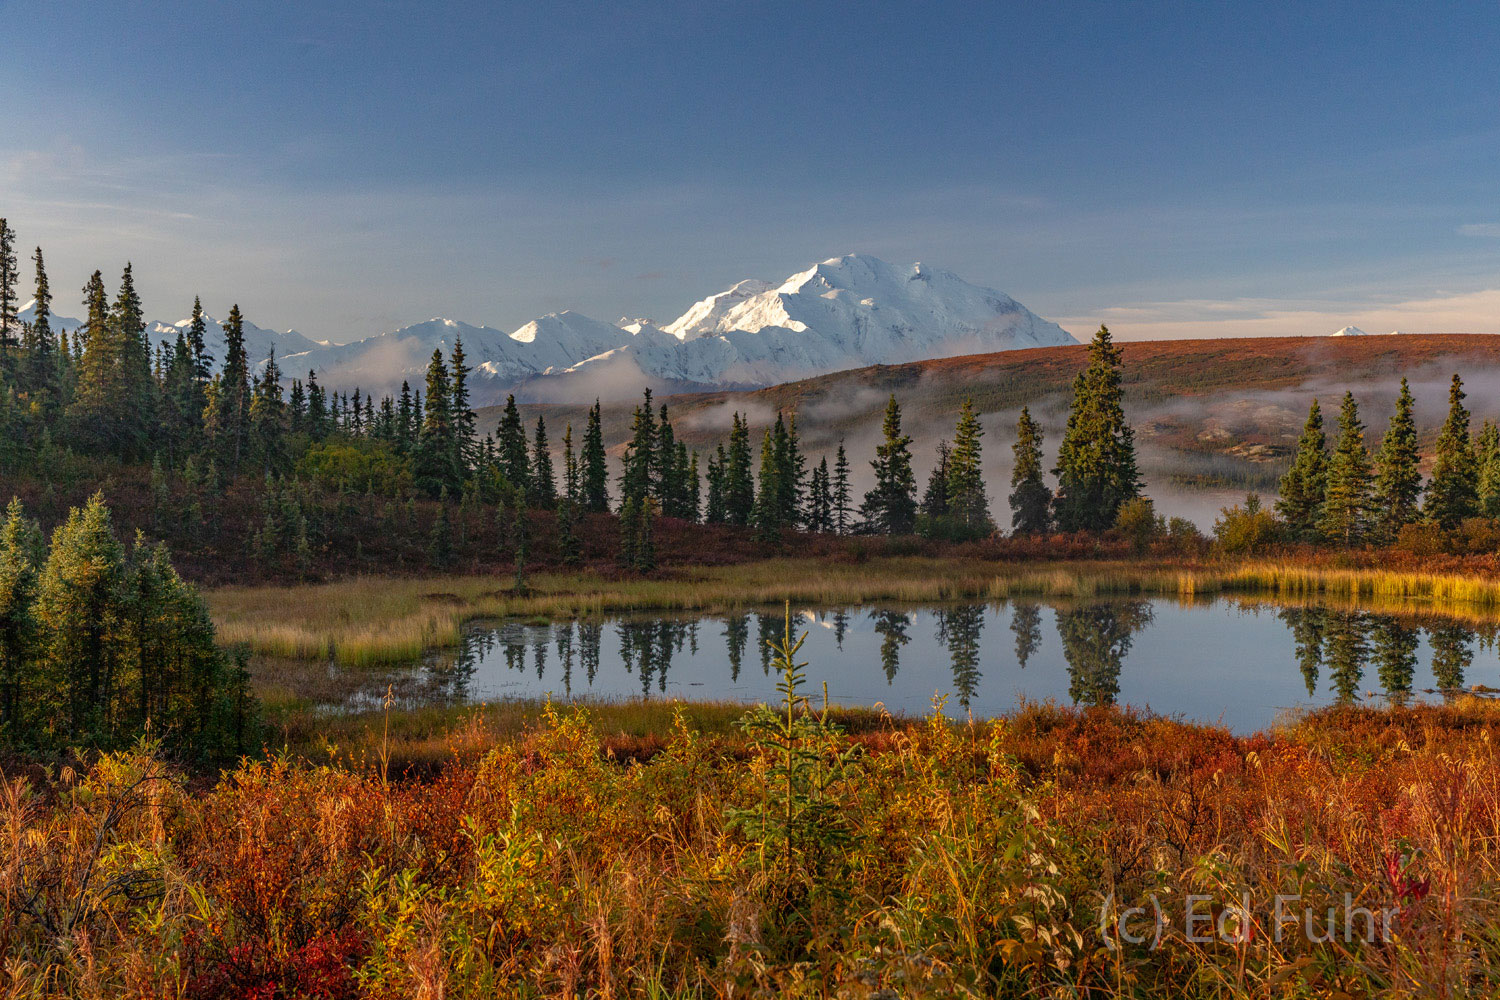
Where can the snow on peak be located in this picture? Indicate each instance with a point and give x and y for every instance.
(705, 316)
(1350, 331)
(845, 312)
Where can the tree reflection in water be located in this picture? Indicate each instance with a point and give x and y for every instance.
(1026, 624)
(1348, 647)
(736, 634)
(1095, 639)
(891, 626)
(958, 628)
(1451, 654)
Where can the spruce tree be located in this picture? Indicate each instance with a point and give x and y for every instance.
(1453, 490)
(693, 500)
(406, 421)
(1096, 467)
(230, 419)
(967, 501)
(268, 422)
(739, 486)
(639, 472)
(890, 506)
(594, 471)
(572, 482)
(435, 465)
(203, 362)
(714, 512)
(1030, 499)
(820, 500)
(41, 369)
(515, 465)
(766, 516)
(20, 564)
(1398, 483)
(1487, 458)
(465, 423)
(1305, 484)
(542, 493)
(793, 474)
(667, 486)
(840, 495)
(1345, 515)
(935, 497)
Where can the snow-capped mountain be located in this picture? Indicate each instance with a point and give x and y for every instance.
(1349, 331)
(258, 341)
(847, 312)
(57, 323)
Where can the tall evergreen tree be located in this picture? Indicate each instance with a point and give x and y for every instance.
(406, 421)
(182, 402)
(967, 499)
(766, 515)
(268, 423)
(20, 564)
(739, 486)
(668, 487)
(890, 506)
(793, 474)
(1453, 490)
(638, 475)
(1305, 484)
(1487, 458)
(203, 362)
(228, 419)
(542, 492)
(820, 500)
(1030, 499)
(465, 423)
(1096, 466)
(41, 371)
(714, 514)
(515, 464)
(593, 470)
(1398, 483)
(435, 465)
(840, 494)
(1345, 515)
(935, 497)
(113, 405)
(572, 480)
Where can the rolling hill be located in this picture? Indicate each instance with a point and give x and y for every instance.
(1214, 418)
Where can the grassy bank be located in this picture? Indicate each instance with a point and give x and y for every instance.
(563, 858)
(371, 621)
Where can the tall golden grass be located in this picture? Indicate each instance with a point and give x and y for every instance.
(369, 621)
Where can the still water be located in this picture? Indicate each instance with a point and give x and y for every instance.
(1239, 664)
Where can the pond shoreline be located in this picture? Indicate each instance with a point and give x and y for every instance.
(372, 621)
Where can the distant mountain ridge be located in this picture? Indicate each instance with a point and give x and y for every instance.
(846, 312)
(258, 341)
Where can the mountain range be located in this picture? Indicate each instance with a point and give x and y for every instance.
(846, 312)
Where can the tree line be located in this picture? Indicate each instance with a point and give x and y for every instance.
(106, 391)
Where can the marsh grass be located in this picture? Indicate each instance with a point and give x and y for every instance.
(368, 621)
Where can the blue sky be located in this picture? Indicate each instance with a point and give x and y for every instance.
(1184, 169)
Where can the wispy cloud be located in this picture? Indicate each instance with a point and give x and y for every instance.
(1488, 230)
(1466, 312)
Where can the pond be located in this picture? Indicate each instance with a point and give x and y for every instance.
(1238, 663)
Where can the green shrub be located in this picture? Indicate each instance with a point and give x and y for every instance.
(361, 466)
